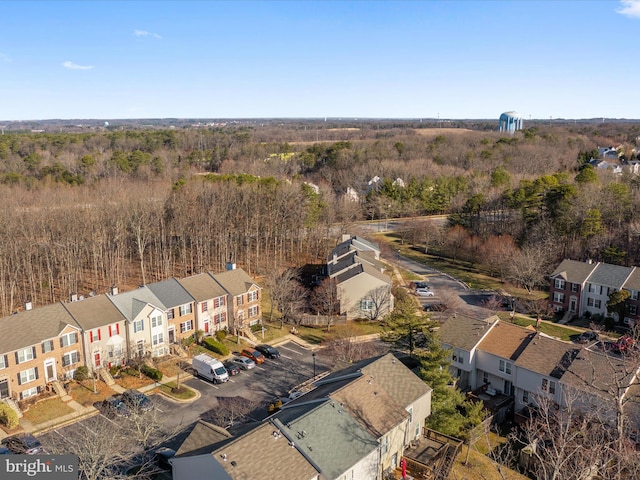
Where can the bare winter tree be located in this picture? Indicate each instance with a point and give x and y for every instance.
(324, 300)
(528, 266)
(346, 349)
(288, 295)
(375, 304)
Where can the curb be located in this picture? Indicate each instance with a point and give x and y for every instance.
(177, 400)
(74, 417)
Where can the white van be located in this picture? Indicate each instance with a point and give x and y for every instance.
(210, 368)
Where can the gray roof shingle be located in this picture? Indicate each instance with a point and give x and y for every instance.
(236, 281)
(574, 271)
(171, 293)
(465, 332)
(612, 276)
(94, 312)
(202, 287)
(133, 302)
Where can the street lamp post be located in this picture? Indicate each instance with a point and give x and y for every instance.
(314, 364)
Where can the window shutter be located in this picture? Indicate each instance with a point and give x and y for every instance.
(17, 358)
(36, 370)
(19, 381)
(117, 329)
(99, 336)
(110, 334)
(61, 343)
(33, 349)
(91, 337)
(6, 361)
(75, 337)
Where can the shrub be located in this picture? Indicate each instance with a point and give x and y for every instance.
(187, 342)
(152, 373)
(609, 323)
(8, 416)
(221, 335)
(215, 346)
(81, 373)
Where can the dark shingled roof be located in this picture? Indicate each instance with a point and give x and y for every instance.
(171, 293)
(32, 327)
(574, 271)
(465, 332)
(547, 356)
(612, 276)
(204, 438)
(94, 312)
(202, 287)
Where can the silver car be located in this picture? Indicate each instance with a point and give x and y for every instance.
(243, 363)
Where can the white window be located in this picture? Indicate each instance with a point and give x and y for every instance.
(158, 339)
(218, 302)
(505, 367)
(219, 318)
(114, 351)
(156, 321)
(485, 377)
(94, 335)
(575, 287)
(25, 355)
(633, 309)
(634, 294)
(186, 326)
(549, 386)
(252, 296)
(3, 361)
(240, 299)
(559, 284)
(70, 358)
(31, 392)
(185, 310)
(366, 305)
(253, 311)
(525, 396)
(597, 303)
(47, 346)
(545, 384)
(27, 376)
(558, 297)
(138, 326)
(589, 301)
(69, 339)
(385, 444)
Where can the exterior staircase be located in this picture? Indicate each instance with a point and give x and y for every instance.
(14, 406)
(60, 390)
(106, 376)
(179, 350)
(447, 462)
(248, 334)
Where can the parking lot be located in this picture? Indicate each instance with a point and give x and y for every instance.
(257, 388)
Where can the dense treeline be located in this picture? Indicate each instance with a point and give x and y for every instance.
(84, 211)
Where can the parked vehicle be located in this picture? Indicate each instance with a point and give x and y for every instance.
(588, 337)
(623, 345)
(243, 363)
(421, 285)
(163, 457)
(232, 368)
(210, 368)
(5, 451)
(23, 444)
(253, 354)
(268, 351)
(424, 292)
(112, 407)
(137, 401)
(434, 307)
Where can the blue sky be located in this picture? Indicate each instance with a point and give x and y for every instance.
(351, 59)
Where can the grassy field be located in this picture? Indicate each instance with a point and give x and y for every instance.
(47, 410)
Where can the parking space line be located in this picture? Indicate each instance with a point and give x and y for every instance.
(284, 356)
(209, 384)
(291, 350)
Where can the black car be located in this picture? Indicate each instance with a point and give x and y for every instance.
(137, 401)
(421, 285)
(587, 337)
(232, 369)
(113, 407)
(23, 444)
(268, 351)
(5, 451)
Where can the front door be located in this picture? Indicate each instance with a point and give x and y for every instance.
(96, 359)
(507, 388)
(206, 326)
(50, 369)
(572, 305)
(4, 388)
(172, 336)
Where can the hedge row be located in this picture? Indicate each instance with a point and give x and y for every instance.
(152, 373)
(215, 346)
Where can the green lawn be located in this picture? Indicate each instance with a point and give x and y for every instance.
(184, 394)
(46, 410)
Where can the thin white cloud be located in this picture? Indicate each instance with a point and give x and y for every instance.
(144, 33)
(630, 8)
(5, 58)
(75, 66)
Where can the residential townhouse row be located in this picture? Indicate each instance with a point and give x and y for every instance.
(581, 287)
(42, 345)
(363, 289)
(354, 425)
(511, 366)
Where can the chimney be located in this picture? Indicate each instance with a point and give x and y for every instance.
(231, 266)
(114, 290)
(28, 305)
(345, 237)
(73, 297)
(589, 261)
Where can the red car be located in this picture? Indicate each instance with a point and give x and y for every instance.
(253, 354)
(623, 345)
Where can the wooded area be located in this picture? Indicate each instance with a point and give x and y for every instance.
(87, 210)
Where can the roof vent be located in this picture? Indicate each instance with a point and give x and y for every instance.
(223, 456)
(233, 463)
(28, 306)
(292, 445)
(114, 290)
(73, 297)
